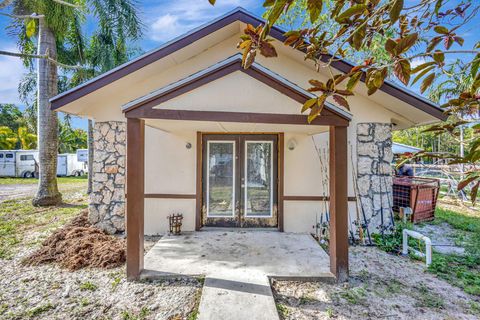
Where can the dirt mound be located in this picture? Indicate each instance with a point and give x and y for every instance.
(78, 245)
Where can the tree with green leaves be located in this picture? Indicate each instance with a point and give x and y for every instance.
(56, 26)
(451, 87)
(18, 123)
(26, 139)
(104, 51)
(8, 139)
(71, 139)
(10, 116)
(418, 30)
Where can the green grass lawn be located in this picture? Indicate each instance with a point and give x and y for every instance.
(459, 219)
(35, 181)
(460, 270)
(22, 224)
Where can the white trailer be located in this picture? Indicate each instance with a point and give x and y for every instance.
(18, 163)
(82, 155)
(24, 164)
(68, 165)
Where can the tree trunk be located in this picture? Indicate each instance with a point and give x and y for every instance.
(90, 156)
(47, 86)
(462, 153)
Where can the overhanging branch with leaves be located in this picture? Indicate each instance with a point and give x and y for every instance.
(407, 34)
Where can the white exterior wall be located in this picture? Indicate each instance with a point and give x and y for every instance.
(303, 177)
(171, 169)
(170, 166)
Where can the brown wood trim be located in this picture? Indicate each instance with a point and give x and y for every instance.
(194, 196)
(237, 15)
(240, 220)
(338, 203)
(274, 83)
(220, 116)
(313, 198)
(198, 187)
(145, 60)
(281, 181)
(214, 74)
(187, 86)
(221, 71)
(169, 196)
(135, 199)
(241, 133)
(392, 89)
(275, 136)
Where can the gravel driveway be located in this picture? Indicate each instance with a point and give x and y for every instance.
(28, 190)
(15, 191)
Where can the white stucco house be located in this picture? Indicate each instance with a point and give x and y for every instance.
(185, 129)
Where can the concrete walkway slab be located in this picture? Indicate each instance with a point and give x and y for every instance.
(238, 299)
(237, 266)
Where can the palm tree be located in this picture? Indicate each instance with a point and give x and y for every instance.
(57, 23)
(453, 86)
(103, 52)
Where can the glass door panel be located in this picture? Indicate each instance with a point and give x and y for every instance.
(258, 179)
(221, 179)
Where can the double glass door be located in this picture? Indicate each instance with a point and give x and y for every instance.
(240, 180)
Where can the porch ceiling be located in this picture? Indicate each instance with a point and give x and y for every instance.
(177, 126)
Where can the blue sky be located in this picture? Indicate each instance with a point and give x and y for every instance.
(163, 20)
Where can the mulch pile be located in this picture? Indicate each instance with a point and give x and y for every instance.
(79, 245)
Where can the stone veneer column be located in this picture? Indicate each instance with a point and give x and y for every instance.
(107, 200)
(374, 158)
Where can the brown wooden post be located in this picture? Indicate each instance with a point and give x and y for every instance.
(135, 196)
(281, 173)
(198, 188)
(338, 203)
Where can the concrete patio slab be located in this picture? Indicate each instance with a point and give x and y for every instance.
(237, 265)
(272, 253)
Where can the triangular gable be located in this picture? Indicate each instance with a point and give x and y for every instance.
(222, 69)
(241, 15)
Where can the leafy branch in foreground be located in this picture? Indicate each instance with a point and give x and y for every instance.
(424, 31)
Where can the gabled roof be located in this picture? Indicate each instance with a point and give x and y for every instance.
(178, 43)
(222, 69)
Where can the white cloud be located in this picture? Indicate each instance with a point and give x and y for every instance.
(164, 27)
(417, 61)
(11, 72)
(175, 17)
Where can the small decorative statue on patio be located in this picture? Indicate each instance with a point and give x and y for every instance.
(175, 222)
